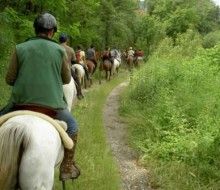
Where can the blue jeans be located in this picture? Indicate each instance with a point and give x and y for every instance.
(66, 116)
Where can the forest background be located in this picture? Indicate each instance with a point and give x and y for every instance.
(173, 101)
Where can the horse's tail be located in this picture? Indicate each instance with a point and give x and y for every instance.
(12, 139)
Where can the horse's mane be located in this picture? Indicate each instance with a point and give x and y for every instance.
(10, 153)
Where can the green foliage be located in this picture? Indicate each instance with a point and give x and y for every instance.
(173, 102)
(149, 32)
(181, 15)
(211, 39)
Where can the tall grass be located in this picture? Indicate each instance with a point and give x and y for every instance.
(173, 105)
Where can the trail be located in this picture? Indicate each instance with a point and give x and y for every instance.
(133, 176)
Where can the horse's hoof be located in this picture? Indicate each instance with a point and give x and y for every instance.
(80, 97)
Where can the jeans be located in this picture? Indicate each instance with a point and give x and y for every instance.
(66, 116)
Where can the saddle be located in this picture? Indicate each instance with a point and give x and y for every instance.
(36, 108)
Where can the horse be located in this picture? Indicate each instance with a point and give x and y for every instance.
(70, 93)
(130, 62)
(91, 69)
(80, 72)
(31, 148)
(137, 61)
(107, 67)
(116, 64)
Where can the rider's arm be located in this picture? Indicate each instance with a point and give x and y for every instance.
(12, 72)
(65, 71)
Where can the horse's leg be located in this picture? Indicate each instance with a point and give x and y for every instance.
(110, 74)
(85, 82)
(100, 76)
(106, 74)
(129, 65)
(90, 79)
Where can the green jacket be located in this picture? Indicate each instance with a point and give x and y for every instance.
(39, 75)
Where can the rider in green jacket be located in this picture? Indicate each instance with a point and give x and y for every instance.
(37, 71)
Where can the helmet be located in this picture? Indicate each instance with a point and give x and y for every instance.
(45, 21)
(63, 38)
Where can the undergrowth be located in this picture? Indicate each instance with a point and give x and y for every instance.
(173, 108)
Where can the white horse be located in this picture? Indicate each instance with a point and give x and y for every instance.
(116, 64)
(80, 72)
(30, 149)
(70, 93)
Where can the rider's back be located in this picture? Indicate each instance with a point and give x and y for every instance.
(39, 80)
(90, 54)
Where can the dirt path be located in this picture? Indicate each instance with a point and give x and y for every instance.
(133, 176)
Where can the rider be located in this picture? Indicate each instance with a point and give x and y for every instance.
(81, 59)
(91, 55)
(71, 58)
(37, 71)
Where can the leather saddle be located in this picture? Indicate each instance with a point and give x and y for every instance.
(41, 109)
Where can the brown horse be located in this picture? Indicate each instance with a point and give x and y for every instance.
(130, 62)
(136, 62)
(91, 69)
(107, 67)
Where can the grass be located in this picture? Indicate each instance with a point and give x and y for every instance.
(99, 170)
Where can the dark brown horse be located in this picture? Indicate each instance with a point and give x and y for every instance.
(107, 67)
(130, 62)
(91, 69)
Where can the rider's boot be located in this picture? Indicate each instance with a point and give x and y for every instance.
(68, 168)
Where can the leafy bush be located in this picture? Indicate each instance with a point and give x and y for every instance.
(176, 101)
(211, 39)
